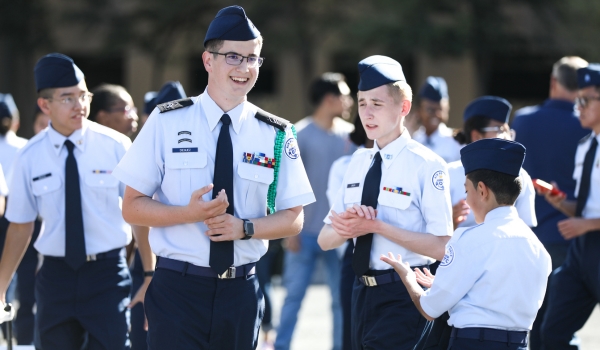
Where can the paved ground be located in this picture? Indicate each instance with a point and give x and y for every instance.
(313, 331)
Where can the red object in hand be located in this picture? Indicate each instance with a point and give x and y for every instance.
(545, 187)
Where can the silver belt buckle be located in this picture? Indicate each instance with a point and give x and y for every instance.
(229, 273)
(91, 257)
(369, 281)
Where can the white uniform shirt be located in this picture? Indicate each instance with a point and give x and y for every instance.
(9, 145)
(441, 142)
(494, 275)
(525, 203)
(3, 186)
(159, 162)
(422, 205)
(38, 188)
(592, 206)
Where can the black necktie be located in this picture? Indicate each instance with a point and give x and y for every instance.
(221, 253)
(586, 176)
(75, 254)
(362, 251)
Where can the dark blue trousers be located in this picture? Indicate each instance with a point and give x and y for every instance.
(137, 334)
(264, 272)
(573, 293)
(347, 278)
(192, 312)
(384, 317)
(87, 305)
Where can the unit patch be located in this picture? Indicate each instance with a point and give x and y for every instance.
(438, 180)
(291, 148)
(448, 258)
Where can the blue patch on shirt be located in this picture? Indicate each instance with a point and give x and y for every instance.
(185, 150)
(448, 258)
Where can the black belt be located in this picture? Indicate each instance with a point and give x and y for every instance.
(384, 277)
(187, 268)
(115, 253)
(497, 335)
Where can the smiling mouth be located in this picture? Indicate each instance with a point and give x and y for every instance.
(239, 80)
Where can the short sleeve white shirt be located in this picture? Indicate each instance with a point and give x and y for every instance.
(525, 202)
(414, 195)
(592, 206)
(441, 142)
(3, 186)
(493, 275)
(37, 187)
(174, 155)
(9, 145)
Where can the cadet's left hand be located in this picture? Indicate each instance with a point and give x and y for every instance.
(573, 227)
(403, 269)
(225, 227)
(349, 225)
(139, 298)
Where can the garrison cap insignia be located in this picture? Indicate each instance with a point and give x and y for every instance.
(173, 105)
(272, 120)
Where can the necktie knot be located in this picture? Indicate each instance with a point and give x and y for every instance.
(377, 157)
(70, 145)
(225, 119)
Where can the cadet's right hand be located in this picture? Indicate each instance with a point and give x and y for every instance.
(424, 279)
(200, 210)
(556, 199)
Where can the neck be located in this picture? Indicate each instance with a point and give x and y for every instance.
(226, 103)
(429, 131)
(323, 120)
(596, 130)
(63, 131)
(384, 141)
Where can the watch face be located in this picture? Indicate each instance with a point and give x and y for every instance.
(248, 228)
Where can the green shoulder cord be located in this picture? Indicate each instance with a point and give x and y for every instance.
(279, 140)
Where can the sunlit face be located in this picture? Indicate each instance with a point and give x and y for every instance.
(433, 113)
(380, 115)
(122, 116)
(67, 117)
(589, 116)
(474, 200)
(229, 82)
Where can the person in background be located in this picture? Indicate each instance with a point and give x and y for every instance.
(550, 132)
(40, 120)
(322, 138)
(434, 106)
(484, 118)
(113, 107)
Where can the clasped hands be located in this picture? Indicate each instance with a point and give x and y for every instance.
(357, 220)
(221, 226)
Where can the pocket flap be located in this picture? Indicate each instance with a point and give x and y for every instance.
(394, 200)
(186, 160)
(352, 195)
(255, 172)
(46, 185)
(101, 180)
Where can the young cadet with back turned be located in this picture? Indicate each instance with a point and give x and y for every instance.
(215, 164)
(63, 175)
(394, 197)
(492, 279)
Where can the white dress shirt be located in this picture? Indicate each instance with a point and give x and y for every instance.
(592, 206)
(9, 145)
(441, 142)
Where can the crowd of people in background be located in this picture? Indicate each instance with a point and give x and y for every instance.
(345, 226)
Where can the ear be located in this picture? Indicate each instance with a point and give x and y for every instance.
(207, 59)
(406, 106)
(483, 190)
(476, 135)
(44, 105)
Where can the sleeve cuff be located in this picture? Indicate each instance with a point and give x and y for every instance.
(429, 310)
(303, 199)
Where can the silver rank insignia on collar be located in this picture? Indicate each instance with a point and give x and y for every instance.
(79, 142)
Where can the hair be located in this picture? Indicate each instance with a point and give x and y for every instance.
(46, 93)
(215, 45)
(359, 135)
(326, 84)
(400, 91)
(565, 71)
(105, 96)
(5, 124)
(506, 187)
(477, 122)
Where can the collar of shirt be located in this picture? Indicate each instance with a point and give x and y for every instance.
(389, 152)
(559, 104)
(58, 140)
(214, 113)
(502, 212)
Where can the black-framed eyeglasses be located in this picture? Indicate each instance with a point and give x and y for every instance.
(235, 59)
(583, 101)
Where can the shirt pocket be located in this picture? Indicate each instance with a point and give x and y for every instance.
(255, 188)
(48, 196)
(104, 190)
(183, 175)
(392, 206)
(352, 195)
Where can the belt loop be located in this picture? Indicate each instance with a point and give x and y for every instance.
(156, 263)
(481, 335)
(185, 267)
(507, 339)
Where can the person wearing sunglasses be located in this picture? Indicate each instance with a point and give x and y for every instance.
(112, 106)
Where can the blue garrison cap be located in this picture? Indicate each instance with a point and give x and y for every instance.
(231, 23)
(588, 76)
(56, 70)
(8, 108)
(171, 91)
(493, 107)
(499, 155)
(378, 70)
(434, 89)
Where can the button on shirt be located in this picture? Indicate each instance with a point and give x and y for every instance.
(441, 142)
(9, 145)
(414, 195)
(493, 275)
(525, 203)
(592, 206)
(38, 187)
(174, 155)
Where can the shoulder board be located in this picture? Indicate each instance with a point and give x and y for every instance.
(173, 105)
(272, 120)
(585, 138)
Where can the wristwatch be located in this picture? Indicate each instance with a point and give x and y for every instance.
(248, 229)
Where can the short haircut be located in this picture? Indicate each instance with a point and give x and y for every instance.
(105, 97)
(215, 45)
(328, 83)
(400, 91)
(565, 71)
(506, 187)
(46, 93)
(477, 122)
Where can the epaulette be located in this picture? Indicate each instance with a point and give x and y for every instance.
(272, 120)
(173, 105)
(585, 138)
